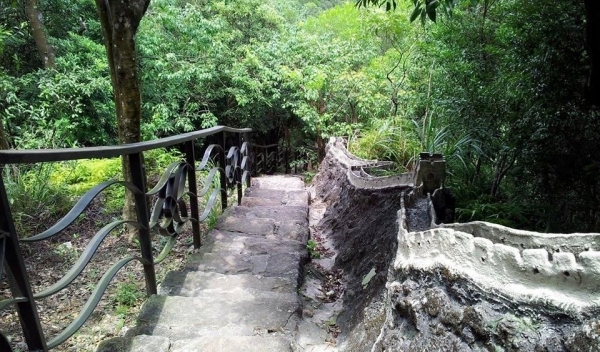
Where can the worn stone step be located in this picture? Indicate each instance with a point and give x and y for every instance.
(141, 343)
(279, 182)
(267, 202)
(255, 226)
(233, 344)
(231, 254)
(278, 213)
(210, 314)
(276, 223)
(240, 243)
(195, 283)
(300, 197)
(265, 265)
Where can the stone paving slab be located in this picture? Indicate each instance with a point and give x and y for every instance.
(240, 243)
(279, 182)
(249, 201)
(267, 265)
(267, 311)
(234, 344)
(192, 283)
(285, 197)
(279, 213)
(256, 226)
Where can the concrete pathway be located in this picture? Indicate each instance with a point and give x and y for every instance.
(239, 293)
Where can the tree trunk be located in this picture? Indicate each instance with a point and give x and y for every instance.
(39, 36)
(3, 138)
(120, 20)
(592, 15)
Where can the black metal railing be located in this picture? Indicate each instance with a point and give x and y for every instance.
(277, 157)
(168, 215)
(266, 158)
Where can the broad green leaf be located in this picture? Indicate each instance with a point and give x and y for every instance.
(416, 12)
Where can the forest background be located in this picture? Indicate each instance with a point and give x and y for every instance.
(498, 87)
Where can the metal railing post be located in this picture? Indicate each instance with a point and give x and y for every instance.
(190, 158)
(249, 160)
(276, 159)
(223, 178)
(20, 286)
(287, 161)
(138, 178)
(237, 173)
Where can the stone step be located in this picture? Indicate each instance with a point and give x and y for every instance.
(196, 283)
(205, 343)
(233, 344)
(288, 229)
(278, 182)
(264, 265)
(267, 202)
(279, 213)
(256, 226)
(241, 311)
(241, 243)
(299, 198)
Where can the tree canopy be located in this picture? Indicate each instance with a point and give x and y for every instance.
(506, 89)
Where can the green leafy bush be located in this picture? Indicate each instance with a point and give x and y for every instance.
(33, 197)
(392, 140)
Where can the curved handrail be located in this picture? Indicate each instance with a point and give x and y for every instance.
(176, 189)
(206, 156)
(164, 178)
(208, 180)
(7, 302)
(77, 209)
(84, 259)
(92, 302)
(4, 344)
(171, 240)
(44, 155)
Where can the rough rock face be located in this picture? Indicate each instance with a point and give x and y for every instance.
(362, 223)
(457, 287)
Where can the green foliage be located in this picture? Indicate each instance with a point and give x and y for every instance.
(77, 177)
(127, 295)
(496, 89)
(486, 208)
(33, 197)
(187, 87)
(388, 139)
(311, 246)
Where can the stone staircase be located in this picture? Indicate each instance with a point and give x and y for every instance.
(239, 293)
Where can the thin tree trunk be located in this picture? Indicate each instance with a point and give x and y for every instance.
(120, 20)
(3, 137)
(45, 50)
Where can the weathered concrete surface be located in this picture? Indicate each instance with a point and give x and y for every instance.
(361, 224)
(239, 292)
(461, 287)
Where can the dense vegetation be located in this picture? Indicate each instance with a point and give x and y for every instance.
(498, 87)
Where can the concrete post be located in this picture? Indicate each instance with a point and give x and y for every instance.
(431, 172)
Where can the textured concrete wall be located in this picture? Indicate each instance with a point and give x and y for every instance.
(551, 242)
(462, 287)
(567, 281)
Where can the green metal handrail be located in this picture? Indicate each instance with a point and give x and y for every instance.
(168, 216)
